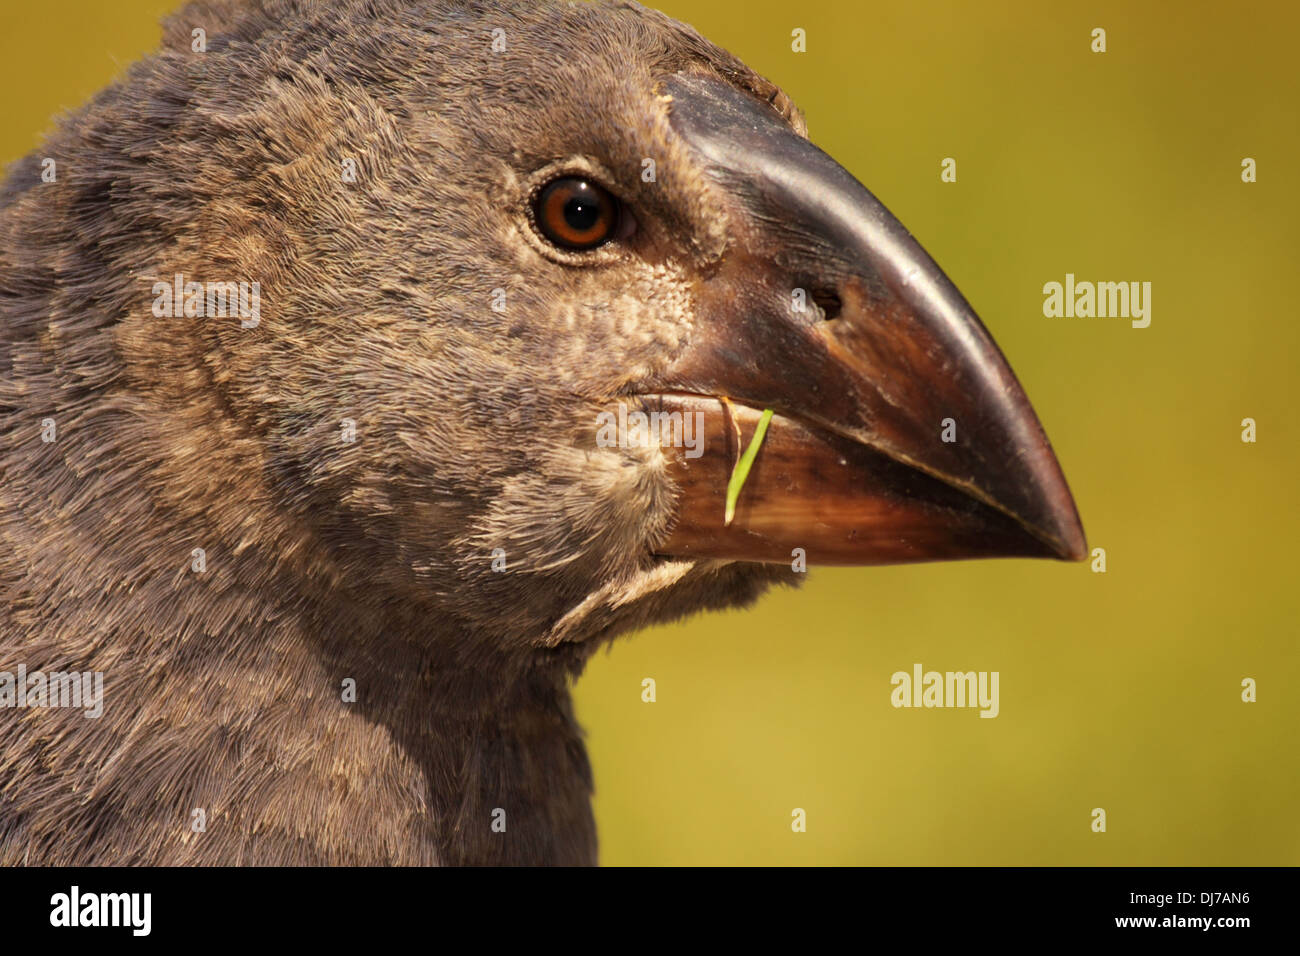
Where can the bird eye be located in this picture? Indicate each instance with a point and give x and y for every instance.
(576, 214)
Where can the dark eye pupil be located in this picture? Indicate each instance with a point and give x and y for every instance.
(582, 212)
(573, 213)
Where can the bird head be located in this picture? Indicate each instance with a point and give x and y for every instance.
(484, 232)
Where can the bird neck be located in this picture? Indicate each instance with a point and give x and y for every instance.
(491, 732)
(311, 719)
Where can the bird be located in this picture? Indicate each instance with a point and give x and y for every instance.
(340, 537)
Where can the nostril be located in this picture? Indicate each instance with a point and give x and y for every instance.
(828, 300)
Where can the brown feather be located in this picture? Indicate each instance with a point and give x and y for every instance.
(328, 560)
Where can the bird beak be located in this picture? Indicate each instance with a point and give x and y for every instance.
(900, 433)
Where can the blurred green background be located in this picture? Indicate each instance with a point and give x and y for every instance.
(1118, 690)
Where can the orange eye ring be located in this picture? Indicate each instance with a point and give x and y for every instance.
(577, 214)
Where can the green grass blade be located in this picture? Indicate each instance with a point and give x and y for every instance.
(743, 464)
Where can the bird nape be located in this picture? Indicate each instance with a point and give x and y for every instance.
(368, 363)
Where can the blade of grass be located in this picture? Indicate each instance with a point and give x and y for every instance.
(743, 464)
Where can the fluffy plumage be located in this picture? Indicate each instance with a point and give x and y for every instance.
(327, 560)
